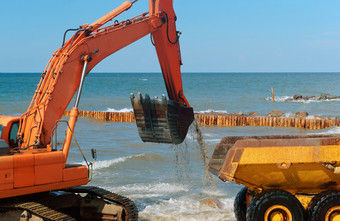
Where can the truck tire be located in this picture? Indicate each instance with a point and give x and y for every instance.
(240, 205)
(325, 206)
(274, 205)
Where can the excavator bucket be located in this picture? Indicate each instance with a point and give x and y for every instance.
(161, 120)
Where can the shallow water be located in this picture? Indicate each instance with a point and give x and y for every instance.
(166, 181)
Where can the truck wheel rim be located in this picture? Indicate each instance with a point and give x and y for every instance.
(278, 213)
(333, 214)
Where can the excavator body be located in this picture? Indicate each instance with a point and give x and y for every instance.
(36, 183)
(286, 176)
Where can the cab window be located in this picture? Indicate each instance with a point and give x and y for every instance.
(13, 134)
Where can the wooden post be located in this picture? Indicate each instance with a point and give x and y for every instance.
(273, 94)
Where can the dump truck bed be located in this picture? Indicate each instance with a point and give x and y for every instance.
(250, 160)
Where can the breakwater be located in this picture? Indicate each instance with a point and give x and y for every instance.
(228, 120)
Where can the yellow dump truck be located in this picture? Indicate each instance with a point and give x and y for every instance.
(288, 178)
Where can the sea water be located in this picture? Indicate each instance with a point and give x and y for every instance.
(166, 181)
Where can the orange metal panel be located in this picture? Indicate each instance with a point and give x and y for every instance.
(75, 173)
(23, 160)
(6, 162)
(6, 173)
(6, 176)
(49, 158)
(6, 186)
(23, 170)
(23, 177)
(48, 167)
(41, 188)
(48, 174)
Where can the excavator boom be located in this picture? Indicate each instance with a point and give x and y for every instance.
(30, 164)
(65, 71)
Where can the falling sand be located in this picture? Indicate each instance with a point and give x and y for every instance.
(182, 158)
(198, 136)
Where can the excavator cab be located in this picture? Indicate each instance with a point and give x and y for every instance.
(8, 133)
(161, 120)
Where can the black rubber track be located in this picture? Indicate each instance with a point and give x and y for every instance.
(321, 203)
(240, 205)
(260, 203)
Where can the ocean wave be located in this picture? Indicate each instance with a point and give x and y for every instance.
(330, 130)
(107, 163)
(187, 208)
(210, 110)
(143, 79)
(279, 98)
(213, 140)
(121, 110)
(154, 190)
(284, 98)
(288, 114)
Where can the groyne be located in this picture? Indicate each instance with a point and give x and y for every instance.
(107, 116)
(228, 120)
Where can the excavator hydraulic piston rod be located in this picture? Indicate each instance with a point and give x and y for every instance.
(86, 59)
(111, 15)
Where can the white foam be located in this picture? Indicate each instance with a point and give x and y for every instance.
(330, 130)
(121, 110)
(284, 98)
(213, 140)
(214, 193)
(209, 135)
(211, 111)
(143, 79)
(279, 98)
(288, 114)
(107, 163)
(154, 190)
(186, 208)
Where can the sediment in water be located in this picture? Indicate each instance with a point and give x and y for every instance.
(181, 161)
(198, 136)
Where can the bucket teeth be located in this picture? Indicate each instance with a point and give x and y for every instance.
(161, 120)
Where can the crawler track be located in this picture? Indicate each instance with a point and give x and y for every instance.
(129, 206)
(44, 212)
(38, 206)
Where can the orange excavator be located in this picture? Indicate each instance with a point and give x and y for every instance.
(36, 183)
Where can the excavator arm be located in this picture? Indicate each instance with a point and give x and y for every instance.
(69, 65)
(161, 120)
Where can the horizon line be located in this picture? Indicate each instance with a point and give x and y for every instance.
(203, 72)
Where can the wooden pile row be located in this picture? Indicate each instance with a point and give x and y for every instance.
(224, 120)
(108, 116)
(233, 121)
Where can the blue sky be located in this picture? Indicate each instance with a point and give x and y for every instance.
(218, 36)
